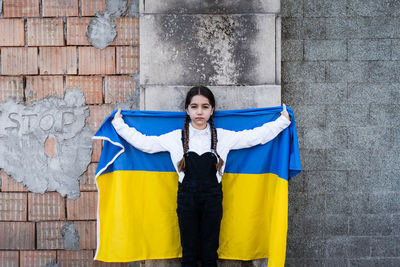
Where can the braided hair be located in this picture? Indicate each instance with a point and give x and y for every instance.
(206, 92)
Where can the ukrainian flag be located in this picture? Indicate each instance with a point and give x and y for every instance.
(137, 217)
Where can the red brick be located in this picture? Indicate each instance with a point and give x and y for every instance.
(97, 115)
(127, 31)
(21, 8)
(127, 60)
(118, 88)
(45, 31)
(48, 235)
(96, 150)
(8, 184)
(96, 61)
(58, 8)
(92, 87)
(50, 147)
(37, 258)
(75, 258)
(58, 60)
(39, 87)
(17, 235)
(12, 32)
(88, 181)
(87, 234)
(49, 206)
(84, 208)
(76, 31)
(90, 7)
(19, 60)
(9, 258)
(11, 87)
(13, 206)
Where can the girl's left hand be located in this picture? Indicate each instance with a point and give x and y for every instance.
(285, 113)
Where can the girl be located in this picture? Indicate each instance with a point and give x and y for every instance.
(198, 154)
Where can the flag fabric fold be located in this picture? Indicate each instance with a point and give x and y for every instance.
(137, 217)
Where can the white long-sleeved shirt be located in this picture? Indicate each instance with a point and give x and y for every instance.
(200, 140)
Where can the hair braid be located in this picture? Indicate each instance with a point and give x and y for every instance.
(182, 162)
(220, 162)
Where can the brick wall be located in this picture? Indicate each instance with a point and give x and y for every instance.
(44, 52)
(341, 75)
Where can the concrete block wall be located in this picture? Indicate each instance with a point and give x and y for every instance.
(341, 75)
(44, 52)
(232, 47)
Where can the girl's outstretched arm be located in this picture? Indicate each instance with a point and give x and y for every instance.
(258, 135)
(148, 144)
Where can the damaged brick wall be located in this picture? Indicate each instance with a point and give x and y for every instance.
(44, 54)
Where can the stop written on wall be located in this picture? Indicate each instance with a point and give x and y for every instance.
(29, 122)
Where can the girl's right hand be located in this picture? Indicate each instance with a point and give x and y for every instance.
(118, 114)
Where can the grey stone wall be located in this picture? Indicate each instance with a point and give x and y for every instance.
(341, 75)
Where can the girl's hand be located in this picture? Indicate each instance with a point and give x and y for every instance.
(285, 113)
(118, 114)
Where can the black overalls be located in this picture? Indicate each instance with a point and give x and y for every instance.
(200, 210)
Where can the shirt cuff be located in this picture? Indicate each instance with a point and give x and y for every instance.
(117, 123)
(282, 119)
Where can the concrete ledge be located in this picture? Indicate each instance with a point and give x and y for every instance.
(209, 7)
(172, 98)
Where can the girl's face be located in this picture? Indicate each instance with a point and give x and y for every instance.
(199, 111)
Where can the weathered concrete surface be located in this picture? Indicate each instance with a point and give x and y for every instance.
(53, 263)
(207, 49)
(70, 237)
(210, 7)
(116, 8)
(23, 133)
(227, 97)
(260, 263)
(133, 9)
(162, 263)
(101, 30)
(278, 50)
(221, 263)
